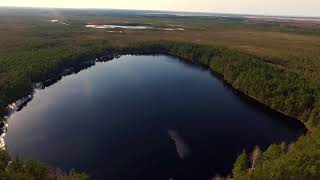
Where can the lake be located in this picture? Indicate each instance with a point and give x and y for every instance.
(144, 117)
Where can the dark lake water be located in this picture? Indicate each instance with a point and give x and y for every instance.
(143, 117)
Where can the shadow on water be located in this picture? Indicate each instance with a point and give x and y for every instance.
(260, 107)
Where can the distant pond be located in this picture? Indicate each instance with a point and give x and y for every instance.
(144, 117)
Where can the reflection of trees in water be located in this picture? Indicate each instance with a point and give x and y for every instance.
(2, 143)
(3, 130)
(20, 103)
(181, 146)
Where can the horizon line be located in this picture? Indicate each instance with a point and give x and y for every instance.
(159, 10)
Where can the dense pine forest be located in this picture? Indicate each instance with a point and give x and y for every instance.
(299, 160)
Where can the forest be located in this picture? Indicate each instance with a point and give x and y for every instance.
(299, 160)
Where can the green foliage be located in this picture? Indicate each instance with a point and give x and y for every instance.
(241, 166)
(77, 176)
(297, 161)
(19, 169)
(4, 160)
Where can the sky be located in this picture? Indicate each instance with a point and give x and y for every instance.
(265, 7)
